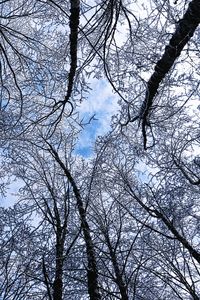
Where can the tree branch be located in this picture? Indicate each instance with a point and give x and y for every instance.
(183, 33)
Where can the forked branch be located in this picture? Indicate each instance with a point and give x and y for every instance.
(184, 31)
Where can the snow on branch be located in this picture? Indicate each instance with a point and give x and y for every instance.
(184, 31)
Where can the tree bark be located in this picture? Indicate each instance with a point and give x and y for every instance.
(183, 33)
(92, 273)
(179, 237)
(157, 214)
(73, 24)
(58, 281)
(118, 274)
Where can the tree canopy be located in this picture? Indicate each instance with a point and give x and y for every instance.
(124, 221)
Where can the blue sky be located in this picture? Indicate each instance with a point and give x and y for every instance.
(102, 103)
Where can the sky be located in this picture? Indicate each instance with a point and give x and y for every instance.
(103, 104)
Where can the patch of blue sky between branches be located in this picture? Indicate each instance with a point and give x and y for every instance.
(102, 104)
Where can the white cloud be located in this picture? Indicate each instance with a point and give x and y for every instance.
(102, 103)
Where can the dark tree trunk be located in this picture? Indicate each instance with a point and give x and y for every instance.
(92, 273)
(157, 214)
(119, 278)
(58, 281)
(179, 237)
(184, 31)
(73, 24)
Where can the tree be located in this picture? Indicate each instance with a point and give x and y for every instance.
(162, 209)
(124, 223)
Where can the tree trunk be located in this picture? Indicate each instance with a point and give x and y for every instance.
(58, 281)
(184, 31)
(92, 273)
(119, 277)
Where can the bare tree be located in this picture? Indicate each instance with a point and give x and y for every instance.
(123, 224)
(162, 209)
